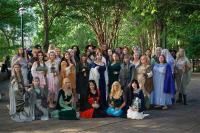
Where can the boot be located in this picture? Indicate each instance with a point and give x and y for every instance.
(184, 99)
(179, 98)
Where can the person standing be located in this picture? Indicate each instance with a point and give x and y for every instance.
(169, 58)
(82, 80)
(182, 74)
(155, 58)
(114, 69)
(136, 59)
(69, 70)
(58, 54)
(164, 88)
(52, 78)
(20, 59)
(126, 73)
(99, 74)
(39, 69)
(144, 76)
(20, 108)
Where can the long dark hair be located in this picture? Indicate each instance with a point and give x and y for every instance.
(38, 62)
(77, 54)
(95, 87)
(134, 81)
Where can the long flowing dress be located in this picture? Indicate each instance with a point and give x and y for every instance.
(113, 72)
(71, 74)
(24, 67)
(82, 83)
(64, 108)
(137, 101)
(183, 75)
(90, 111)
(20, 108)
(144, 76)
(164, 88)
(52, 78)
(100, 76)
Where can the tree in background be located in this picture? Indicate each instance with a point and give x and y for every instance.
(147, 23)
(104, 16)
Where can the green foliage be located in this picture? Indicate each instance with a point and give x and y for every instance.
(10, 26)
(78, 22)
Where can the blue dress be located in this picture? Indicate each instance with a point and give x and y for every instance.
(158, 96)
(102, 85)
(116, 103)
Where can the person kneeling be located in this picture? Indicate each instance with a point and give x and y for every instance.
(40, 101)
(65, 103)
(116, 102)
(92, 107)
(137, 105)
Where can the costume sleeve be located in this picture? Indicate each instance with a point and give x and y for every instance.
(107, 82)
(94, 75)
(132, 73)
(33, 69)
(169, 86)
(141, 96)
(63, 104)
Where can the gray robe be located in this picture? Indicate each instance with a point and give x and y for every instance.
(20, 109)
(126, 74)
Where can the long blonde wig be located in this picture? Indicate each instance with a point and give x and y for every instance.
(64, 82)
(178, 55)
(116, 92)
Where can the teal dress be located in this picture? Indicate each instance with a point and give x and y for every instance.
(116, 103)
(64, 109)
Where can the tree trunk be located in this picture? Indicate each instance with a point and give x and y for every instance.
(164, 36)
(105, 31)
(142, 43)
(100, 37)
(46, 26)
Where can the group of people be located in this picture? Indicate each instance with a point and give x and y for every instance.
(101, 82)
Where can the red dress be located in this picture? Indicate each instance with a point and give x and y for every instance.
(90, 111)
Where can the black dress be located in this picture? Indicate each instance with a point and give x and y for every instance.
(82, 83)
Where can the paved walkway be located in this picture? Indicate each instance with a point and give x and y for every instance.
(177, 119)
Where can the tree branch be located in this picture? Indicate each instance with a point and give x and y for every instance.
(40, 5)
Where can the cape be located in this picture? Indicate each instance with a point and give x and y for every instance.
(169, 85)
